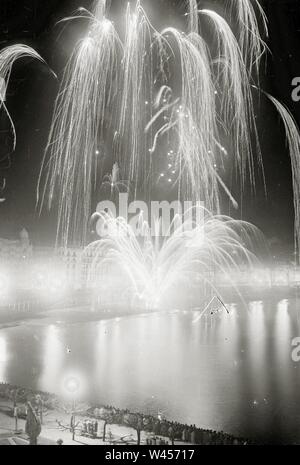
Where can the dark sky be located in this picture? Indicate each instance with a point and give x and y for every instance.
(33, 89)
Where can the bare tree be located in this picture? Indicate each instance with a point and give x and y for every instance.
(106, 416)
(136, 422)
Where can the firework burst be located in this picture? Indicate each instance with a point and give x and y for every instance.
(158, 91)
(153, 267)
(133, 80)
(8, 56)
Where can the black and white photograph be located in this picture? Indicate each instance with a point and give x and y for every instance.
(150, 225)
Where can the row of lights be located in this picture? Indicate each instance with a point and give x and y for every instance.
(50, 281)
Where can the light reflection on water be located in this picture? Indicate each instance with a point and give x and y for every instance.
(3, 357)
(226, 372)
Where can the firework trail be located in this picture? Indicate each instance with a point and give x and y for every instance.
(156, 266)
(237, 109)
(250, 38)
(134, 152)
(88, 88)
(8, 56)
(193, 16)
(293, 139)
(195, 134)
(114, 181)
(133, 80)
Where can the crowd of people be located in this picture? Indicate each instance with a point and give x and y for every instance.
(161, 431)
(163, 428)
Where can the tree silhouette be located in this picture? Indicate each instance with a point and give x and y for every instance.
(136, 422)
(105, 415)
(33, 425)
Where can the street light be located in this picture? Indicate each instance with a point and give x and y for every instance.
(72, 386)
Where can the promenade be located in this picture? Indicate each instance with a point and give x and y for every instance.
(121, 426)
(51, 431)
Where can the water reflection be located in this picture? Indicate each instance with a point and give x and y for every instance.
(282, 348)
(3, 358)
(257, 350)
(222, 371)
(53, 357)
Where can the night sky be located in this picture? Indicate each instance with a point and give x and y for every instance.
(33, 89)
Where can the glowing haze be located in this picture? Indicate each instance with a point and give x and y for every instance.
(152, 270)
(155, 92)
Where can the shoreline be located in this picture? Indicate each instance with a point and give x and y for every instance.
(82, 310)
(125, 426)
